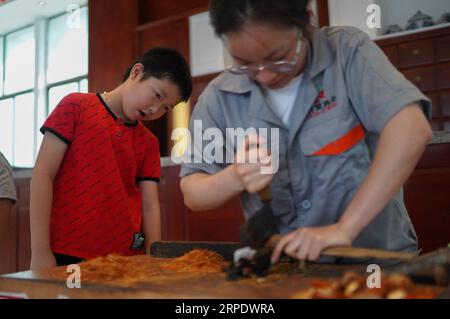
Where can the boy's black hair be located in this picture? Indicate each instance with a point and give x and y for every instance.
(231, 15)
(166, 64)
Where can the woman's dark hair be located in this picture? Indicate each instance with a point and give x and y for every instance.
(165, 64)
(231, 15)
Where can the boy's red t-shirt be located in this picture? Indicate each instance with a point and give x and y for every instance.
(97, 204)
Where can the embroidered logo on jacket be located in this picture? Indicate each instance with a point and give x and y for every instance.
(322, 105)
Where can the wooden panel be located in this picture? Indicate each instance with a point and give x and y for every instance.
(23, 225)
(428, 202)
(443, 48)
(111, 46)
(416, 53)
(8, 247)
(199, 84)
(435, 156)
(423, 77)
(172, 209)
(221, 224)
(154, 10)
(443, 76)
(179, 223)
(423, 35)
(446, 125)
(436, 125)
(156, 36)
(288, 280)
(391, 53)
(24, 243)
(171, 33)
(323, 13)
(444, 104)
(159, 128)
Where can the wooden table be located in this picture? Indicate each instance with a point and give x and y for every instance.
(44, 284)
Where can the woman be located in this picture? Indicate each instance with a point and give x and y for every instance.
(351, 129)
(94, 189)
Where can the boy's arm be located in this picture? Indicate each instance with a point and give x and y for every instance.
(151, 215)
(47, 165)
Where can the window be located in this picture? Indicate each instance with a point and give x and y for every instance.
(56, 93)
(31, 87)
(1, 66)
(17, 98)
(84, 86)
(16, 129)
(23, 155)
(67, 41)
(19, 61)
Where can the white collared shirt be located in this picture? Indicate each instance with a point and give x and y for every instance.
(281, 100)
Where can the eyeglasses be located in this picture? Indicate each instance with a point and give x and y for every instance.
(281, 66)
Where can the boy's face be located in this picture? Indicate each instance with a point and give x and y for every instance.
(149, 99)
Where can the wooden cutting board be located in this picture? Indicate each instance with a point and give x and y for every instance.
(45, 284)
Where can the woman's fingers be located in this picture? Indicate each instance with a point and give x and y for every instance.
(252, 156)
(294, 244)
(254, 184)
(251, 177)
(308, 243)
(305, 247)
(279, 248)
(314, 251)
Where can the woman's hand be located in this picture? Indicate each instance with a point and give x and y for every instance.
(252, 164)
(308, 243)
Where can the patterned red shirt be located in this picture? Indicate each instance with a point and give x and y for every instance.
(97, 206)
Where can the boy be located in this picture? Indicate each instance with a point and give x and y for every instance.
(94, 186)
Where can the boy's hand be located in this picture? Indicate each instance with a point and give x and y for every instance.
(251, 157)
(42, 259)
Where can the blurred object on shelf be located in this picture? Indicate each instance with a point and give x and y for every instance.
(444, 19)
(420, 20)
(393, 28)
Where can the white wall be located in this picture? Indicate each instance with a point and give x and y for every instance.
(19, 13)
(399, 11)
(353, 12)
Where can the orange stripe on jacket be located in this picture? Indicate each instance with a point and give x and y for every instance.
(344, 143)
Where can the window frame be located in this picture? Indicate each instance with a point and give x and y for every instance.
(40, 44)
(77, 80)
(47, 22)
(3, 62)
